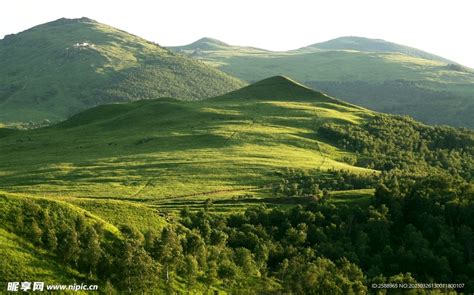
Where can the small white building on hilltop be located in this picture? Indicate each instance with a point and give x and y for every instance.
(83, 44)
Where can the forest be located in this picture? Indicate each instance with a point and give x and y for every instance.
(414, 230)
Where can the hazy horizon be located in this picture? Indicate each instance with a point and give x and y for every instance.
(440, 28)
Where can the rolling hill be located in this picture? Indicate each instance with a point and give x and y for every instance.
(373, 73)
(165, 194)
(162, 148)
(56, 69)
(141, 161)
(166, 148)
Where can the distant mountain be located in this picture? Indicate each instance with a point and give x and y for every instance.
(201, 48)
(372, 45)
(59, 68)
(204, 44)
(372, 73)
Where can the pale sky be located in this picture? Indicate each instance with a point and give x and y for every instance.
(445, 28)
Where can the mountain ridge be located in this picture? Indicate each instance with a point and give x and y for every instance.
(356, 43)
(57, 68)
(372, 73)
(372, 45)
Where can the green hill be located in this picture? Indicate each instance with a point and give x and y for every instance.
(372, 73)
(241, 193)
(166, 147)
(139, 163)
(21, 261)
(56, 69)
(206, 44)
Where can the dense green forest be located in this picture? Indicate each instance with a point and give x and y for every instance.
(390, 142)
(415, 230)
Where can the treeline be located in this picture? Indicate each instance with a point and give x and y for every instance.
(399, 143)
(416, 230)
(298, 183)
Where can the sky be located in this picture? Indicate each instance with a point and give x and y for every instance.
(444, 28)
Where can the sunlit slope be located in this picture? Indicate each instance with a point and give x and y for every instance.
(167, 148)
(21, 261)
(24, 261)
(56, 69)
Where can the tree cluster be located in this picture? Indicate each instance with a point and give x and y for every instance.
(297, 183)
(399, 143)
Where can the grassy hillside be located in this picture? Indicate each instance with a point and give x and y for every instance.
(376, 74)
(59, 68)
(166, 148)
(21, 261)
(270, 188)
(142, 163)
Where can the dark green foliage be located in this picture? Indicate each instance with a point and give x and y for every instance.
(136, 269)
(417, 229)
(389, 142)
(69, 249)
(168, 251)
(91, 252)
(296, 183)
(321, 276)
(427, 102)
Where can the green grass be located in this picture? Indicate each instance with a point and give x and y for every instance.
(361, 197)
(376, 74)
(165, 148)
(43, 75)
(141, 163)
(21, 261)
(119, 213)
(10, 202)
